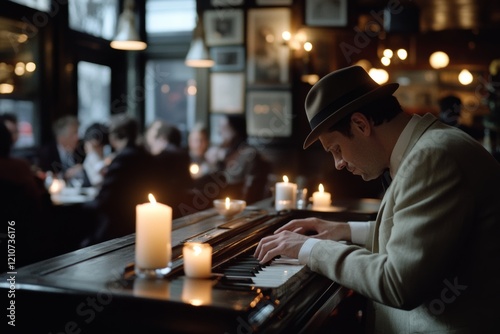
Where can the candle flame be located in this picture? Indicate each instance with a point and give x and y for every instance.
(228, 203)
(285, 178)
(197, 250)
(321, 188)
(152, 198)
(194, 169)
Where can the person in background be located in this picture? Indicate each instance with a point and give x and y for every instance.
(23, 201)
(95, 142)
(64, 156)
(11, 122)
(428, 264)
(171, 164)
(244, 168)
(127, 182)
(198, 143)
(450, 109)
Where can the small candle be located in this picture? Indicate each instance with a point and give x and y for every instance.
(285, 194)
(56, 186)
(153, 249)
(228, 203)
(197, 260)
(321, 199)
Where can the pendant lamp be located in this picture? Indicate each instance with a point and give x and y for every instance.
(126, 37)
(197, 55)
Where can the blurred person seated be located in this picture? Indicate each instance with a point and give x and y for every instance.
(97, 153)
(11, 123)
(244, 168)
(171, 166)
(198, 143)
(23, 203)
(450, 109)
(64, 156)
(127, 182)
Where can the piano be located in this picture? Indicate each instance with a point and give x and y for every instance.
(95, 289)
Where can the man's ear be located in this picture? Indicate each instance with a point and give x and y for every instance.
(361, 123)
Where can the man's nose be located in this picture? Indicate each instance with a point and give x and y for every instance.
(339, 163)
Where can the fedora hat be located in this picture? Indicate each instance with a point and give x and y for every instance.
(338, 94)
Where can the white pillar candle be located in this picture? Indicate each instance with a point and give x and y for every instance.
(285, 195)
(321, 199)
(197, 260)
(153, 245)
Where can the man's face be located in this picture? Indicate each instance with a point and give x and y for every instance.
(14, 131)
(359, 154)
(69, 137)
(198, 143)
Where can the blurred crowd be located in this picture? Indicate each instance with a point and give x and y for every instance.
(123, 165)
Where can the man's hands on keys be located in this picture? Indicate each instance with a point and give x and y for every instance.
(288, 239)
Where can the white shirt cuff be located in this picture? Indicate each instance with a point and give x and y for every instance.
(305, 250)
(359, 232)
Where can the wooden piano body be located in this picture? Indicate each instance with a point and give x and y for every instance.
(95, 290)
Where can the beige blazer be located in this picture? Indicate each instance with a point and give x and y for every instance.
(433, 264)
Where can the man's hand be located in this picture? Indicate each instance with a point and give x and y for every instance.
(283, 243)
(318, 228)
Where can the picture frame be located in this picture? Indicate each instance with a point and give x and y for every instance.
(227, 93)
(269, 113)
(226, 3)
(268, 55)
(326, 13)
(273, 2)
(223, 26)
(228, 58)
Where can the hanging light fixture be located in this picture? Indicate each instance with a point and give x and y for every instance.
(126, 37)
(197, 55)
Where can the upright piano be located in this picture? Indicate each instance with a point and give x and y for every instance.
(95, 289)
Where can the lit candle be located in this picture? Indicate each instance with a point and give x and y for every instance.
(285, 195)
(228, 203)
(153, 248)
(56, 186)
(197, 260)
(321, 199)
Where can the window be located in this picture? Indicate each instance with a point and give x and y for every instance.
(43, 5)
(171, 89)
(94, 17)
(94, 94)
(167, 16)
(170, 93)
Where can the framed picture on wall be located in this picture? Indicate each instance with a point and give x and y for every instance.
(228, 58)
(326, 13)
(226, 3)
(223, 26)
(267, 55)
(227, 93)
(273, 2)
(269, 113)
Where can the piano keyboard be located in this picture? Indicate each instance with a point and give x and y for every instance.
(247, 271)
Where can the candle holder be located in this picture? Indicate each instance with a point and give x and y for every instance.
(229, 208)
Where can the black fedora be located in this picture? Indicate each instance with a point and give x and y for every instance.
(338, 94)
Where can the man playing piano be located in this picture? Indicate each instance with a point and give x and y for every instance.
(430, 261)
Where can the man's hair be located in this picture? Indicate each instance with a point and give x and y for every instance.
(62, 123)
(379, 111)
(98, 132)
(124, 127)
(170, 133)
(8, 116)
(5, 141)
